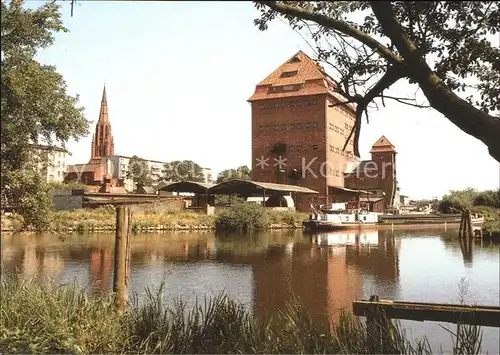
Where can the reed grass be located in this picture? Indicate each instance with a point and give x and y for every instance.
(41, 317)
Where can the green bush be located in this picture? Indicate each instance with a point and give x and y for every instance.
(286, 217)
(243, 217)
(491, 218)
(490, 198)
(460, 200)
(14, 222)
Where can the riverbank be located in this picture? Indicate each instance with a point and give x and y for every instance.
(104, 219)
(64, 319)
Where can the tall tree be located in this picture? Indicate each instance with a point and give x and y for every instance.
(242, 172)
(139, 172)
(443, 47)
(185, 170)
(35, 106)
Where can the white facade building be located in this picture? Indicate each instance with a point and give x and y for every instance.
(120, 166)
(52, 162)
(207, 173)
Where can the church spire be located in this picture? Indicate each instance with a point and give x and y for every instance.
(103, 100)
(103, 114)
(102, 140)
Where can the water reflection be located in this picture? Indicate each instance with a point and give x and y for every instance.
(326, 271)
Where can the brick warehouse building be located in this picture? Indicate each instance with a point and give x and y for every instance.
(377, 174)
(299, 130)
(293, 117)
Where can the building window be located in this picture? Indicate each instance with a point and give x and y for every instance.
(314, 125)
(341, 131)
(336, 129)
(315, 147)
(291, 148)
(332, 148)
(298, 148)
(288, 74)
(337, 150)
(308, 125)
(331, 126)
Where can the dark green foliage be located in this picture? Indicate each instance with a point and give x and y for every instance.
(242, 172)
(279, 148)
(243, 217)
(460, 200)
(35, 106)
(139, 172)
(29, 194)
(185, 170)
(485, 203)
(489, 198)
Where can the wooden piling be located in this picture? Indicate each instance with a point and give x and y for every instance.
(122, 255)
(462, 222)
(469, 225)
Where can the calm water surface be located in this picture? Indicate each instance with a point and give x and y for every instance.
(325, 271)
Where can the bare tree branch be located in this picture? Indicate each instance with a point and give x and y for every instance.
(404, 101)
(392, 75)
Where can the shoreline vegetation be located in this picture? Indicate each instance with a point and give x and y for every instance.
(245, 216)
(102, 219)
(239, 217)
(65, 319)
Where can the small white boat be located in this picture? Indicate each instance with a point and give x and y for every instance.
(335, 217)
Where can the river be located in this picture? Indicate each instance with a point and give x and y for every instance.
(325, 271)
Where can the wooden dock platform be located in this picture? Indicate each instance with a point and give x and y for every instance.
(488, 316)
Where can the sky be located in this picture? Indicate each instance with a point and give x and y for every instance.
(178, 75)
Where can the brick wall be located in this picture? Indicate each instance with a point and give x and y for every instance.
(381, 175)
(314, 135)
(170, 205)
(298, 122)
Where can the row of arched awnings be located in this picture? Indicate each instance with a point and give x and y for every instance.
(235, 186)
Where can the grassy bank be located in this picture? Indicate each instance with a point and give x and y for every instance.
(103, 219)
(46, 318)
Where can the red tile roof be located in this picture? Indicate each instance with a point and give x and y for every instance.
(310, 79)
(383, 145)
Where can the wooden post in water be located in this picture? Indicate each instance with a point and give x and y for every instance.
(466, 235)
(470, 239)
(122, 254)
